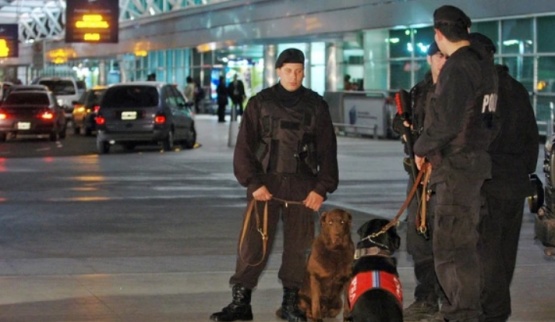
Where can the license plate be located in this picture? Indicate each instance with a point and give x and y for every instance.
(129, 115)
(23, 125)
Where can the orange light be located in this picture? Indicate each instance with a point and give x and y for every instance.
(47, 116)
(4, 49)
(3, 116)
(91, 36)
(92, 22)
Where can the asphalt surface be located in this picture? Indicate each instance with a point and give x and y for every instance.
(151, 236)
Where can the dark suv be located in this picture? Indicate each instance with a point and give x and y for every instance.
(138, 113)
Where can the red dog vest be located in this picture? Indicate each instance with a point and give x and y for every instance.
(365, 281)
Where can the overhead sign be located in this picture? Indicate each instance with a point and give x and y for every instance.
(9, 44)
(92, 21)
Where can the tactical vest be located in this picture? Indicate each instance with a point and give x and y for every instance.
(287, 145)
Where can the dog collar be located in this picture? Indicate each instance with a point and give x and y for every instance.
(370, 251)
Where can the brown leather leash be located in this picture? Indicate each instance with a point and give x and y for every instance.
(421, 224)
(263, 230)
(425, 171)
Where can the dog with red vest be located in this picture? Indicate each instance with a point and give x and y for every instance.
(375, 293)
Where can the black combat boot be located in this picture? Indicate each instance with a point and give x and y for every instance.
(238, 309)
(289, 309)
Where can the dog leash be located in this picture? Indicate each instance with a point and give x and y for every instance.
(421, 226)
(262, 230)
(426, 169)
(288, 202)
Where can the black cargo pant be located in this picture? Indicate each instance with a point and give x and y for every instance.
(500, 223)
(298, 233)
(455, 245)
(427, 288)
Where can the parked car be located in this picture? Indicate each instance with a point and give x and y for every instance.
(85, 109)
(65, 89)
(17, 88)
(31, 112)
(138, 113)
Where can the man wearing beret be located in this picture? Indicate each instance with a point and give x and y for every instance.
(456, 137)
(286, 156)
(514, 154)
(427, 291)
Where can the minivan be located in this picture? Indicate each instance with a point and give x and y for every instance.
(144, 113)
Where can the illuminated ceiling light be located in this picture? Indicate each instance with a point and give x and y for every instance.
(423, 48)
(510, 42)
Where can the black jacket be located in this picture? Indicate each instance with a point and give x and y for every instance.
(514, 152)
(459, 128)
(249, 170)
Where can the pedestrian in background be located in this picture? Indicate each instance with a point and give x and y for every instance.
(221, 92)
(236, 91)
(189, 91)
(286, 156)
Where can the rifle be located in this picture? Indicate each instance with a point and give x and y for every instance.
(404, 110)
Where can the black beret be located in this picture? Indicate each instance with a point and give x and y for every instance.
(482, 40)
(432, 49)
(451, 15)
(290, 55)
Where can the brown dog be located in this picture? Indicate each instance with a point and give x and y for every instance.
(328, 268)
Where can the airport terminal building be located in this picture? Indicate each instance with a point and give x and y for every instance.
(381, 44)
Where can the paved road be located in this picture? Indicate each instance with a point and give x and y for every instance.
(151, 236)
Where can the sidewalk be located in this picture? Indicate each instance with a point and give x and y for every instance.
(152, 237)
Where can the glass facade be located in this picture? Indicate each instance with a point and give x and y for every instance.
(522, 45)
(376, 60)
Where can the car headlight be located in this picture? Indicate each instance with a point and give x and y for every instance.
(60, 101)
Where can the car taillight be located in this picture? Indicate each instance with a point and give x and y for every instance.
(159, 119)
(100, 120)
(3, 116)
(96, 108)
(47, 115)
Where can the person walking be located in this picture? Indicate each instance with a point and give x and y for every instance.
(286, 156)
(514, 154)
(427, 292)
(189, 91)
(455, 140)
(236, 91)
(221, 92)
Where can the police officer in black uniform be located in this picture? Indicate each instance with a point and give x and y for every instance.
(427, 292)
(286, 155)
(455, 139)
(514, 154)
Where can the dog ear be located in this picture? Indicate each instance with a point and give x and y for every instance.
(362, 229)
(323, 218)
(394, 238)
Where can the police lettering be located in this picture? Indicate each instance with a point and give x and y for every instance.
(489, 104)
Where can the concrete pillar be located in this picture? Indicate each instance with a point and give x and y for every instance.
(269, 75)
(334, 66)
(102, 78)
